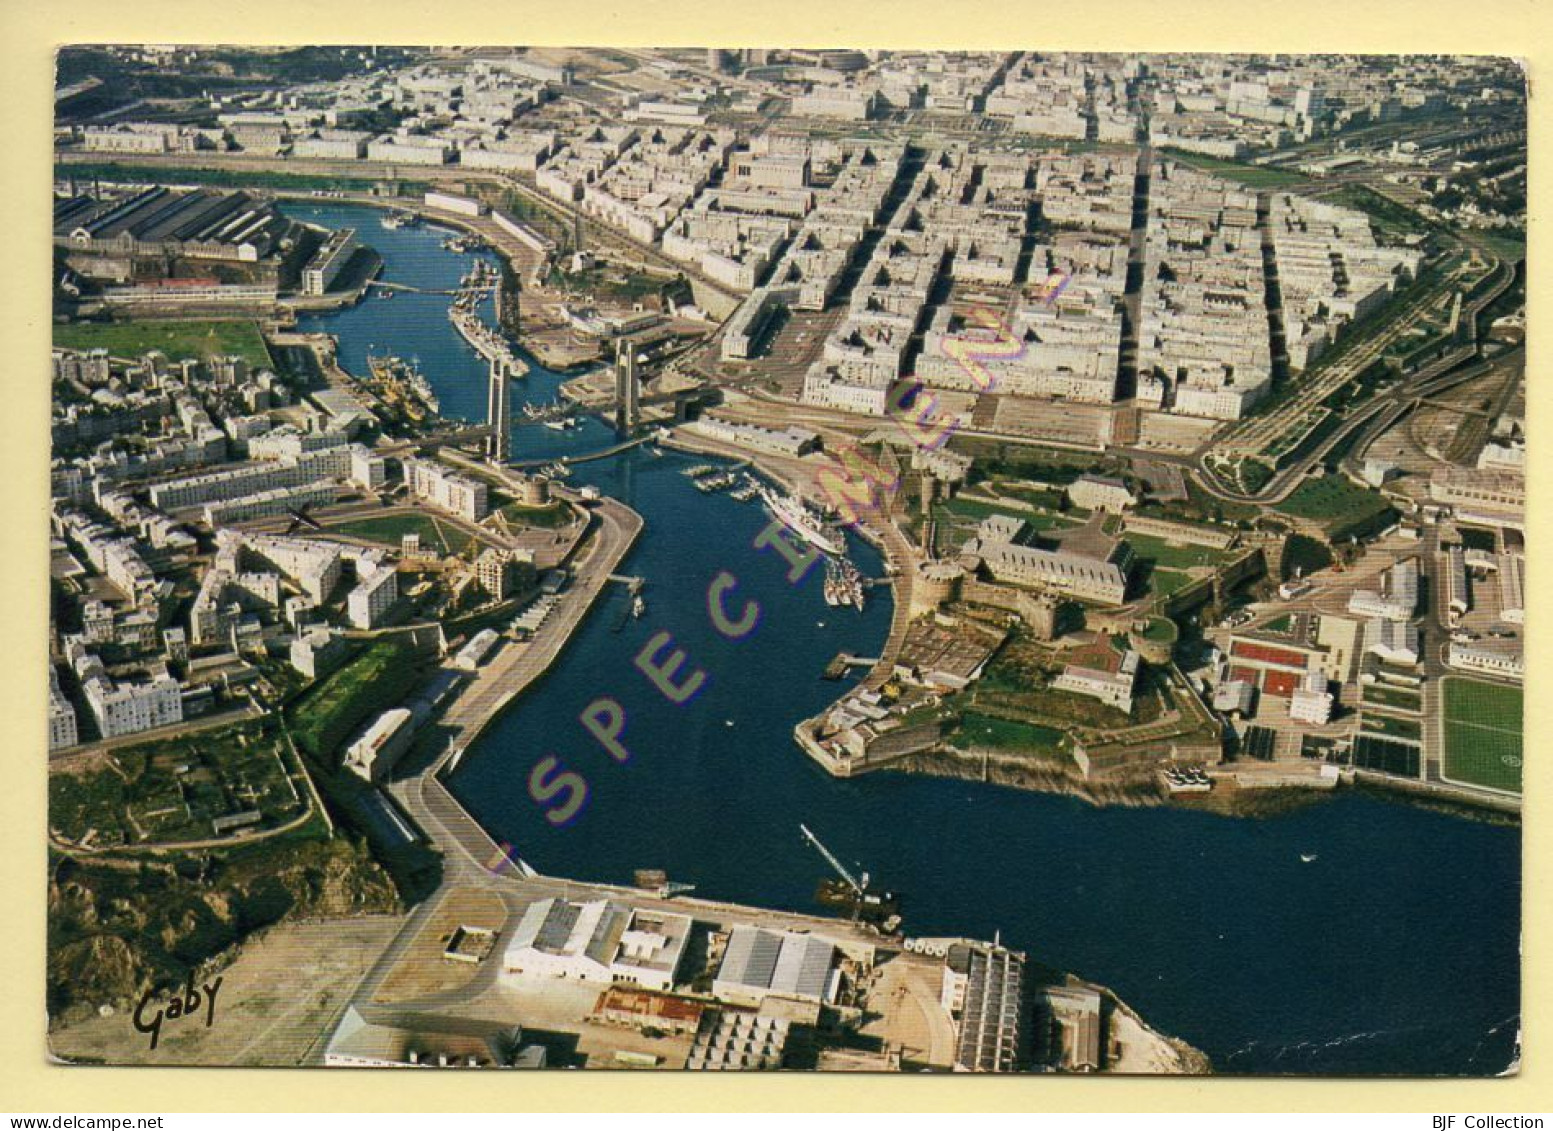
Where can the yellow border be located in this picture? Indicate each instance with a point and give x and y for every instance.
(29, 31)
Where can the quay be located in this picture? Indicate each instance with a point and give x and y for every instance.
(466, 846)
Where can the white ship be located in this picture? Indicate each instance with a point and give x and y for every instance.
(791, 512)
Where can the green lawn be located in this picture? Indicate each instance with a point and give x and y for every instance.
(1340, 506)
(379, 678)
(1171, 555)
(548, 517)
(1391, 727)
(388, 529)
(1483, 728)
(1161, 630)
(1038, 494)
(1480, 756)
(1005, 734)
(1252, 176)
(178, 340)
(1507, 245)
(1164, 582)
(1392, 697)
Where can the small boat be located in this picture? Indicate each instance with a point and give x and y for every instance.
(638, 606)
(1307, 857)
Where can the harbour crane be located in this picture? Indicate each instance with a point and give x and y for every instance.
(879, 910)
(857, 886)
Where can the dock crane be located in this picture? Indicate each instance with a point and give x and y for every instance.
(851, 893)
(858, 886)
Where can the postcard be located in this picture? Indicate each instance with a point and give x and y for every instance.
(809, 560)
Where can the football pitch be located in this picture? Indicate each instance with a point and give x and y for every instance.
(1482, 727)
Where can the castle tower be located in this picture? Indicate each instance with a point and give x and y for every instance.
(498, 413)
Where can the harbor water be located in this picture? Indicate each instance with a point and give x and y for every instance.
(1394, 950)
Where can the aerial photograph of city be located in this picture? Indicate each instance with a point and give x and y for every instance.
(832, 560)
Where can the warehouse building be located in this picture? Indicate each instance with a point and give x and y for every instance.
(602, 941)
(328, 261)
(758, 964)
(373, 754)
(199, 223)
(983, 992)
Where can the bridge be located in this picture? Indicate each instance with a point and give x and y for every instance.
(455, 292)
(589, 457)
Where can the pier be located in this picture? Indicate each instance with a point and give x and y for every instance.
(844, 662)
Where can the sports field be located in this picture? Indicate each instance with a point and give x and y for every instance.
(1482, 724)
(442, 537)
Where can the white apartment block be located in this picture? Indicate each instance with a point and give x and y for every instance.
(328, 261)
(851, 103)
(1088, 192)
(270, 503)
(517, 151)
(305, 467)
(409, 149)
(1330, 271)
(376, 592)
(316, 567)
(332, 145)
(128, 708)
(112, 554)
(446, 489)
(63, 728)
(1204, 328)
(130, 137)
